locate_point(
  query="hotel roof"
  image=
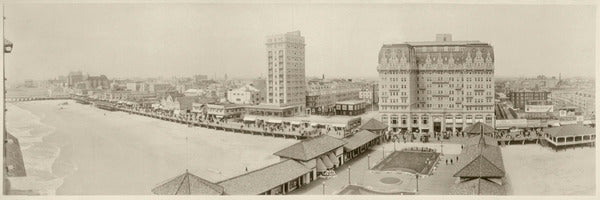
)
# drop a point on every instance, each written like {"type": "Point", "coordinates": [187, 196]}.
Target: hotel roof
{"type": "Point", "coordinates": [264, 179]}
{"type": "Point", "coordinates": [570, 130]}
{"type": "Point", "coordinates": [310, 148]}
{"type": "Point", "coordinates": [478, 140]}
{"type": "Point", "coordinates": [358, 139]}
{"type": "Point", "coordinates": [478, 186]}
{"type": "Point", "coordinates": [188, 184]}
{"type": "Point", "coordinates": [437, 43]}
{"type": "Point", "coordinates": [373, 124]}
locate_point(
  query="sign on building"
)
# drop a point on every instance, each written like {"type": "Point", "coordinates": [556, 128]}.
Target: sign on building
{"type": "Point", "coordinates": [539, 108]}
{"type": "Point", "coordinates": [507, 123]}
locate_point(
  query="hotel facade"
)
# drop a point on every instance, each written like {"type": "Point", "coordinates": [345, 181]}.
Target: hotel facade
{"type": "Point", "coordinates": [286, 85]}
{"type": "Point", "coordinates": [440, 85]}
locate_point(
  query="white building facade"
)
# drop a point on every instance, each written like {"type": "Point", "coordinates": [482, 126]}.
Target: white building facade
{"type": "Point", "coordinates": [436, 86]}
{"type": "Point", "coordinates": [286, 73]}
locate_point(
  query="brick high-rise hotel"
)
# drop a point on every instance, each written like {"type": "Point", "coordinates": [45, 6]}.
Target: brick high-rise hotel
{"type": "Point", "coordinates": [440, 85]}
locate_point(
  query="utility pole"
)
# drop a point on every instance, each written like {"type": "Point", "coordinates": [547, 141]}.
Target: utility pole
{"type": "Point", "coordinates": [349, 183]}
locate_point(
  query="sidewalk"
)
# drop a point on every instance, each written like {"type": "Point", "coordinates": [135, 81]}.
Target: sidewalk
{"type": "Point", "coordinates": [438, 183]}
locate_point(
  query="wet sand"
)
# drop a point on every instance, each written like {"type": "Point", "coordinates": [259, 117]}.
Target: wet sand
{"type": "Point", "coordinates": [114, 153]}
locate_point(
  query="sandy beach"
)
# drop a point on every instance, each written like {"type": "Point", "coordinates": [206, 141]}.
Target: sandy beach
{"type": "Point", "coordinates": [82, 150]}
{"type": "Point", "coordinates": [536, 170]}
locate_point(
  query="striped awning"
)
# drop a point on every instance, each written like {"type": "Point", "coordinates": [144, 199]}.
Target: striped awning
{"type": "Point", "coordinates": [334, 159]}
{"type": "Point", "coordinates": [320, 166]}
{"type": "Point", "coordinates": [327, 162]}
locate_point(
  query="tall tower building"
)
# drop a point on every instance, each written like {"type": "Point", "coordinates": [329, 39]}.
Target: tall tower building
{"type": "Point", "coordinates": [286, 76]}
{"type": "Point", "coordinates": [440, 85]}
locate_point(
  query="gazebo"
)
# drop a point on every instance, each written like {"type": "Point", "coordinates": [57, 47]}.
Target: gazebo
{"type": "Point", "coordinates": [188, 184]}
{"type": "Point", "coordinates": [476, 128]}
{"type": "Point", "coordinates": [376, 127]}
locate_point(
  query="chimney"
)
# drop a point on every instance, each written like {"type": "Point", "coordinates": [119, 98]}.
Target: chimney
{"type": "Point", "coordinates": [443, 37]}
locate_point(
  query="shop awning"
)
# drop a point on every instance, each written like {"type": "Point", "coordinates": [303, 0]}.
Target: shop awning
{"type": "Point", "coordinates": [320, 166]}
{"type": "Point", "coordinates": [295, 122]}
{"type": "Point", "coordinates": [274, 121]}
{"type": "Point", "coordinates": [339, 125]}
{"type": "Point", "coordinates": [334, 159]}
{"type": "Point", "coordinates": [327, 162]}
{"type": "Point", "coordinates": [248, 118]}
{"type": "Point", "coordinates": [314, 124]}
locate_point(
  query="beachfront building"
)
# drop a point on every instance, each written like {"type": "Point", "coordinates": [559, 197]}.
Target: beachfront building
{"type": "Point", "coordinates": [137, 86]}
{"type": "Point", "coordinates": [521, 98]}
{"type": "Point", "coordinates": [376, 127]}
{"type": "Point", "coordinates": [223, 111]}
{"type": "Point", "coordinates": [585, 99]}
{"type": "Point", "coordinates": [322, 95]}
{"type": "Point", "coordinates": [480, 168]}
{"type": "Point", "coordinates": [441, 85]}
{"type": "Point", "coordinates": [570, 135]}
{"type": "Point", "coordinates": [350, 107]}
{"type": "Point", "coordinates": [358, 143]}
{"type": "Point", "coordinates": [276, 179]}
{"type": "Point", "coordinates": [286, 74]}
{"type": "Point", "coordinates": [98, 82]}
{"type": "Point", "coordinates": [319, 154]}
{"type": "Point", "coordinates": [244, 95]}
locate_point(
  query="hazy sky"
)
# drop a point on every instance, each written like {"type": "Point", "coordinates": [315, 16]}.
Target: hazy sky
{"type": "Point", "coordinates": [143, 40]}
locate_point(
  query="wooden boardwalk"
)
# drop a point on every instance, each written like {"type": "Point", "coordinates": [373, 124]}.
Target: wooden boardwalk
{"type": "Point", "coordinates": [235, 128]}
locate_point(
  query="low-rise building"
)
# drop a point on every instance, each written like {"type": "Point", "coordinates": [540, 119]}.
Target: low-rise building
{"type": "Point", "coordinates": [223, 111]}
{"type": "Point", "coordinates": [318, 154]}
{"type": "Point", "coordinates": [350, 107]}
{"type": "Point", "coordinates": [244, 95]}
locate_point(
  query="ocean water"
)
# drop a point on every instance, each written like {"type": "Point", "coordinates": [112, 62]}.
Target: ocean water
{"type": "Point", "coordinates": [39, 156]}
{"type": "Point", "coordinates": [81, 150]}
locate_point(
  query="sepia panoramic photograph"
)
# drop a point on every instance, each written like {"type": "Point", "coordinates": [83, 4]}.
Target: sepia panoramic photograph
{"type": "Point", "coordinates": [373, 98]}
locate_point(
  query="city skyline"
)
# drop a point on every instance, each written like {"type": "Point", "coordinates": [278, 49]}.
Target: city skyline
{"type": "Point", "coordinates": [142, 39]}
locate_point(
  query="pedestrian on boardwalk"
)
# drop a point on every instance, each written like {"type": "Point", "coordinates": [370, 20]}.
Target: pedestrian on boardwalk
{"type": "Point", "coordinates": [446, 161]}
{"type": "Point", "coordinates": [451, 161]}
{"type": "Point", "coordinates": [456, 158]}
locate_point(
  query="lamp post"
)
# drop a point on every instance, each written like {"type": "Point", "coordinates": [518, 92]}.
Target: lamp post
{"type": "Point", "coordinates": [368, 161]}
{"type": "Point", "coordinates": [349, 183]}
{"type": "Point", "coordinates": [383, 151]}
{"type": "Point", "coordinates": [417, 177]}
{"type": "Point", "coordinates": [323, 187]}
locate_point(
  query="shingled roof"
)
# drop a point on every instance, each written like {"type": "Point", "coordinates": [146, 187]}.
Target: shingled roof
{"type": "Point", "coordinates": [358, 139]}
{"type": "Point", "coordinates": [478, 186]}
{"type": "Point", "coordinates": [310, 148]}
{"type": "Point", "coordinates": [477, 140]}
{"type": "Point", "coordinates": [476, 128]}
{"type": "Point", "coordinates": [188, 184]}
{"type": "Point", "coordinates": [480, 160]}
{"type": "Point", "coordinates": [264, 179]}
{"type": "Point", "coordinates": [373, 125]}
{"type": "Point", "coordinates": [570, 130]}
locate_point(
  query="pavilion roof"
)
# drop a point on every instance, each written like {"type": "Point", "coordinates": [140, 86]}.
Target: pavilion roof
{"type": "Point", "coordinates": [570, 130]}
{"type": "Point", "coordinates": [373, 124]}
{"type": "Point", "coordinates": [264, 179]}
{"type": "Point", "coordinates": [310, 148]}
{"type": "Point", "coordinates": [481, 160]}
{"type": "Point", "coordinates": [476, 128]}
{"type": "Point", "coordinates": [188, 184]}
{"type": "Point", "coordinates": [358, 139]}
{"type": "Point", "coordinates": [478, 186]}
